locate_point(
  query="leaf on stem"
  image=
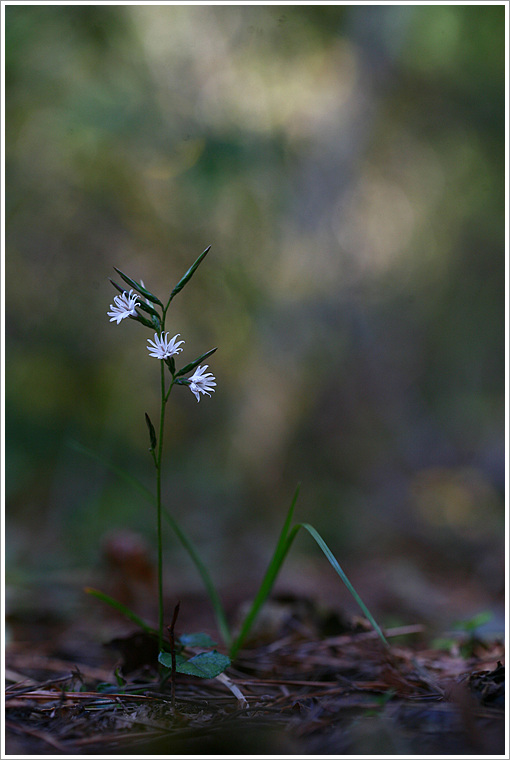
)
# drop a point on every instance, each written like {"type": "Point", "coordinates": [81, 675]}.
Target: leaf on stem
{"type": "Point", "coordinates": [116, 285]}
{"type": "Point", "coordinates": [148, 309]}
{"type": "Point", "coordinates": [142, 320]}
{"type": "Point", "coordinates": [189, 274]}
{"type": "Point", "coordinates": [192, 365]}
{"type": "Point", "coordinates": [140, 288]}
{"type": "Point", "coordinates": [152, 432]}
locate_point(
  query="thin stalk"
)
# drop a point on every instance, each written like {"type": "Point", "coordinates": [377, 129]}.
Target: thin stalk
{"type": "Point", "coordinates": [171, 634]}
{"type": "Point", "coordinates": [158, 505]}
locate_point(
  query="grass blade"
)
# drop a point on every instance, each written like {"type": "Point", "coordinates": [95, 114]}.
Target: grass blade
{"type": "Point", "coordinates": [285, 541]}
{"type": "Point", "coordinates": [336, 567]}
{"type": "Point", "coordinates": [282, 547]}
{"type": "Point", "coordinates": [121, 608]}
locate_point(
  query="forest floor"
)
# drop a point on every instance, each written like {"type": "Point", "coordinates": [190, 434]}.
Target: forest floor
{"type": "Point", "coordinates": [309, 690]}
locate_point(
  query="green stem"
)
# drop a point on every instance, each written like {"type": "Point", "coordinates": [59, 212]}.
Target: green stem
{"type": "Point", "coordinates": [158, 505]}
{"type": "Point", "coordinates": [157, 462]}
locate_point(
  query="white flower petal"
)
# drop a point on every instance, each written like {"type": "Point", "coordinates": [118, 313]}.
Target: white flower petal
{"type": "Point", "coordinates": [124, 306]}
{"type": "Point", "coordinates": [201, 383]}
{"type": "Point", "coordinates": [162, 347]}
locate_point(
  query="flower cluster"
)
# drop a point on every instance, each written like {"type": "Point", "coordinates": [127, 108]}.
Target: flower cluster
{"type": "Point", "coordinates": [162, 347]}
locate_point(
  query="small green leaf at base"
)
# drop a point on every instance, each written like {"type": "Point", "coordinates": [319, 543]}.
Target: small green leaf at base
{"type": "Point", "coordinates": [204, 665]}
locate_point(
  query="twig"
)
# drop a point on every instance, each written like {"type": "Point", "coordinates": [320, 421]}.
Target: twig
{"type": "Point", "coordinates": [28, 689]}
{"type": "Point", "coordinates": [171, 635]}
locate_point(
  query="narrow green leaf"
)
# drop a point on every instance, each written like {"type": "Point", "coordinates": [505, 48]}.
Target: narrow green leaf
{"type": "Point", "coordinates": [196, 640]}
{"type": "Point", "coordinates": [137, 286]}
{"type": "Point", "coordinates": [282, 547]}
{"type": "Point", "coordinates": [141, 319]}
{"type": "Point", "coordinates": [285, 541]}
{"type": "Point", "coordinates": [336, 567]}
{"type": "Point", "coordinates": [119, 287]}
{"type": "Point", "coordinates": [121, 608]}
{"type": "Point", "coordinates": [145, 307]}
{"type": "Point", "coordinates": [152, 432]}
{"type": "Point", "coordinates": [204, 665]}
{"type": "Point", "coordinates": [195, 363]}
{"type": "Point", "coordinates": [189, 274]}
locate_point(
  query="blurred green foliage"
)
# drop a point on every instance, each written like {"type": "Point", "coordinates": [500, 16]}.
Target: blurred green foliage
{"type": "Point", "coordinates": [346, 163]}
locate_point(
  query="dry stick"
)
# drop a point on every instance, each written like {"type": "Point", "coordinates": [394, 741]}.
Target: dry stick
{"type": "Point", "coordinates": [12, 694]}
{"type": "Point", "coordinates": [170, 629]}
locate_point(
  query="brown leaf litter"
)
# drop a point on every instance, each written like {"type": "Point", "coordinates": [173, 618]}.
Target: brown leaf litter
{"type": "Point", "coordinates": [343, 694]}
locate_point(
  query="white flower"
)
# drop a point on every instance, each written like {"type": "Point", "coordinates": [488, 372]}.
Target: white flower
{"type": "Point", "coordinates": [125, 306]}
{"type": "Point", "coordinates": [200, 383]}
{"type": "Point", "coordinates": [162, 348]}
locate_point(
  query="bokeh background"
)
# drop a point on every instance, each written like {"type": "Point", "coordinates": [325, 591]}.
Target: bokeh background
{"type": "Point", "coordinates": [346, 163]}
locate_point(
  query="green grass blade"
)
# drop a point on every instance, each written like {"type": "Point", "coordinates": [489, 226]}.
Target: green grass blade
{"type": "Point", "coordinates": [336, 567]}
{"type": "Point", "coordinates": [285, 541]}
{"type": "Point", "coordinates": [121, 608]}
{"type": "Point", "coordinates": [282, 547]}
